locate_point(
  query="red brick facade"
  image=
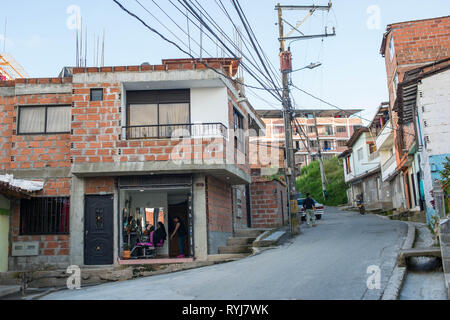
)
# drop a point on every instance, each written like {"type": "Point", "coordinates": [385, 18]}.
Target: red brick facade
{"type": "Point", "coordinates": [219, 205]}
{"type": "Point", "coordinates": [268, 202]}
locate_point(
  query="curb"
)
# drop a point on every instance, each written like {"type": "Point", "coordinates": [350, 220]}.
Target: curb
{"type": "Point", "coordinates": [397, 278]}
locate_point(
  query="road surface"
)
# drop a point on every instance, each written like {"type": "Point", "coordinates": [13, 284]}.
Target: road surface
{"type": "Point", "coordinates": [327, 262]}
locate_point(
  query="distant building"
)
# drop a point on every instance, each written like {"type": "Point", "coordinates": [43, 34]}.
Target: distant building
{"type": "Point", "coordinates": [335, 128]}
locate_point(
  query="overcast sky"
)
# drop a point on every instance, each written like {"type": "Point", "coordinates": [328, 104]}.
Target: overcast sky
{"type": "Point", "coordinates": [41, 37]}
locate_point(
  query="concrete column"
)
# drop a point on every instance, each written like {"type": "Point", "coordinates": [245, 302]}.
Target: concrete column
{"type": "Point", "coordinates": [77, 221]}
{"type": "Point", "coordinates": [200, 219]}
{"type": "Point", "coordinates": [4, 232]}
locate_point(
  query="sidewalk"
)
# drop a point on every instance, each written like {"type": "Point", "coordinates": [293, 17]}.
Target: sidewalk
{"type": "Point", "coordinates": [8, 290]}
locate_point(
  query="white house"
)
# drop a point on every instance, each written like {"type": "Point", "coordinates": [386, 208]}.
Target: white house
{"type": "Point", "coordinates": [363, 171]}
{"type": "Point", "coordinates": [432, 105]}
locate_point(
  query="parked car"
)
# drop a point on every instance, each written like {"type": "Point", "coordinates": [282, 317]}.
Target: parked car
{"type": "Point", "coordinates": [319, 209]}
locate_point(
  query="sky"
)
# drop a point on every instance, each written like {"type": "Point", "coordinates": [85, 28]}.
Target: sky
{"type": "Point", "coordinates": [40, 35]}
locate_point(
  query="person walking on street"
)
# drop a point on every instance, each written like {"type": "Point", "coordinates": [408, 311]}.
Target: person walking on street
{"type": "Point", "coordinates": [310, 209]}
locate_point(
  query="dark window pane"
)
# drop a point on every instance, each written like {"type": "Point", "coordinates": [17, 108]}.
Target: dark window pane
{"type": "Point", "coordinates": [44, 216]}
{"type": "Point", "coordinates": [96, 94]}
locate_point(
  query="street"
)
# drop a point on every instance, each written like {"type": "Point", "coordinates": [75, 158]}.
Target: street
{"type": "Point", "coordinates": [327, 262]}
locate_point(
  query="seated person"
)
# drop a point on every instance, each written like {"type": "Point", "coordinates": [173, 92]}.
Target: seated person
{"type": "Point", "coordinates": [149, 229]}
{"type": "Point", "coordinates": [159, 235]}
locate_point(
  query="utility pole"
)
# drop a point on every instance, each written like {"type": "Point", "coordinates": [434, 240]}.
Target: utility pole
{"type": "Point", "coordinates": [322, 169]}
{"type": "Point", "coordinates": [286, 67]}
{"type": "Point", "coordinates": [288, 112]}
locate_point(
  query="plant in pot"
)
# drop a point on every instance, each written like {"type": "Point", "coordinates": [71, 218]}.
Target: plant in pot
{"type": "Point", "coordinates": [126, 253]}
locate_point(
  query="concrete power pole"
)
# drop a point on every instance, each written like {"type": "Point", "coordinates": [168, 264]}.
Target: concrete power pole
{"type": "Point", "coordinates": [286, 67]}
{"type": "Point", "coordinates": [288, 112]}
{"type": "Point", "coordinates": [322, 169]}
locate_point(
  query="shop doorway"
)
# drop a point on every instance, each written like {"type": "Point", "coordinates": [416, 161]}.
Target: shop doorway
{"type": "Point", "coordinates": [179, 210]}
{"type": "Point", "coordinates": [142, 209]}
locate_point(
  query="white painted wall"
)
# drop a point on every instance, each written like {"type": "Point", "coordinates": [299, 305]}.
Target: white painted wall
{"type": "Point", "coordinates": [435, 102]}
{"type": "Point", "coordinates": [364, 165]}
{"type": "Point", "coordinates": [433, 106]}
{"type": "Point", "coordinates": [209, 105]}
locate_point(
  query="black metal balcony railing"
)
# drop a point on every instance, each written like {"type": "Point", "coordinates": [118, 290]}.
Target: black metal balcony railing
{"type": "Point", "coordinates": [164, 131]}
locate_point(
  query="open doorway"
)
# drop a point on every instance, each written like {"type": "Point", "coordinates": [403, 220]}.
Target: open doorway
{"type": "Point", "coordinates": [178, 207]}
{"type": "Point", "coordinates": [143, 209]}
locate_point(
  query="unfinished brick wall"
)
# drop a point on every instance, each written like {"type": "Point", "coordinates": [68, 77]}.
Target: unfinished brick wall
{"type": "Point", "coordinates": [99, 185]}
{"type": "Point", "coordinates": [219, 213]}
{"type": "Point", "coordinates": [7, 104]}
{"type": "Point", "coordinates": [268, 203]}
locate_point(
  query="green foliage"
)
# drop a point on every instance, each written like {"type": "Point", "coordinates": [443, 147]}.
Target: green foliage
{"type": "Point", "coordinates": [445, 175]}
{"type": "Point", "coordinates": [309, 181]}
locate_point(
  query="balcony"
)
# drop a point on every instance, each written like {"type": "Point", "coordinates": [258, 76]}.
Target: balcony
{"type": "Point", "coordinates": [385, 138]}
{"type": "Point", "coordinates": [166, 131]}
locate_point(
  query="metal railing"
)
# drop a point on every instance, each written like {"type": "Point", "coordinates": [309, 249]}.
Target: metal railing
{"type": "Point", "coordinates": [186, 130]}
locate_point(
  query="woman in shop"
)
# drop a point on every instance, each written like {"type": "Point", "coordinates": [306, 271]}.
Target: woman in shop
{"type": "Point", "coordinates": [160, 234]}
{"type": "Point", "coordinates": [179, 230]}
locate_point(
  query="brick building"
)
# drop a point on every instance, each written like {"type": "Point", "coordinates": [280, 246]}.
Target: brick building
{"type": "Point", "coordinates": [335, 127]}
{"type": "Point", "coordinates": [138, 144]}
{"type": "Point", "coordinates": [406, 46]}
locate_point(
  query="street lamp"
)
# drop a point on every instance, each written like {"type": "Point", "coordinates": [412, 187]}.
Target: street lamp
{"type": "Point", "coordinates": [312, 65]}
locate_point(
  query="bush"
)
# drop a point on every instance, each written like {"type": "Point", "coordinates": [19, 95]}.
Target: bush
{"type": "Point", "coordinates": [310, 181]}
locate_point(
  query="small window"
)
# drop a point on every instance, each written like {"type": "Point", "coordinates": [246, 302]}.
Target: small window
{"type": "Point", "coordinates": [341, 129]}
{"type": "Point", "coordinates": [44, 120]}
{"type": "Point", "coordinates": [97, 94]}
{"type": "Point", "coordinates": [342, 143]}
{"type": "Point", "coordinates": [391, 48]}
{"type": "Point", "coordinates": [47, 215]}
{"type": "Point", "coordinates": [360, 154]}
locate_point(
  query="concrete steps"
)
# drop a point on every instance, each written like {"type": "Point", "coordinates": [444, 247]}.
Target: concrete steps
{"type": "Point", "coordinates": [241, 242]}
{"type": "Point", "coordinates": [236, 249]}
{"type": "Point", "coordinates": [248, 233]}
{"type": "Point", "coordinates": [236, 241]}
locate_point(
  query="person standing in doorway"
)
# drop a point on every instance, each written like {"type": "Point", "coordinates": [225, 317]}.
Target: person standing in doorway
{"type": "Point", "coordinates": [179, 230]}
{"type": "Point", "coordinates": [310, 209]}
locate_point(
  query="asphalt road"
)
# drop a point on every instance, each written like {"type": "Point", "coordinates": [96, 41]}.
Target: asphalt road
{"type": "Point", "coordinates": [327, 262]}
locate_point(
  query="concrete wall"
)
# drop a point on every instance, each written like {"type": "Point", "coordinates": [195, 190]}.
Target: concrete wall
{"type": "Point", "coordinates": [4, 233]}
{"type": "Point", "coordinates": [209, 105]}
{"type": "Point", "coordinates": [200, 217]}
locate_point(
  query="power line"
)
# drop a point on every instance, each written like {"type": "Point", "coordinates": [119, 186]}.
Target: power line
{"type": "Point", "coordinates": [184, 51]}
{"type": "Point", "coordinates": [201, 20]}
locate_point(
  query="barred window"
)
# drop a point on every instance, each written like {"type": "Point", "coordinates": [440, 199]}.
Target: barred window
{"type": "Point", "coordinates": [46, 215]}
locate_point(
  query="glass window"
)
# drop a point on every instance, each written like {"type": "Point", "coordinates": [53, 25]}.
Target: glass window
{"type": "Point", "coordinates": [341, 129]}
{"type": "Point", "coordinates": [58, 119]}
{"type": "Point", "coordinates": [46, 119]}
{"type": "Point", "coordinates": [32, 120]}
{"type": "Point", "coordinates": [97, 94]}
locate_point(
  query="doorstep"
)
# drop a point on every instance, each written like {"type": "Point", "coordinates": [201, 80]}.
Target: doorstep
{"type": "Point", "coordinates": [155, 261]}
{"type": "Point", "coordinates": [9, 290]}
